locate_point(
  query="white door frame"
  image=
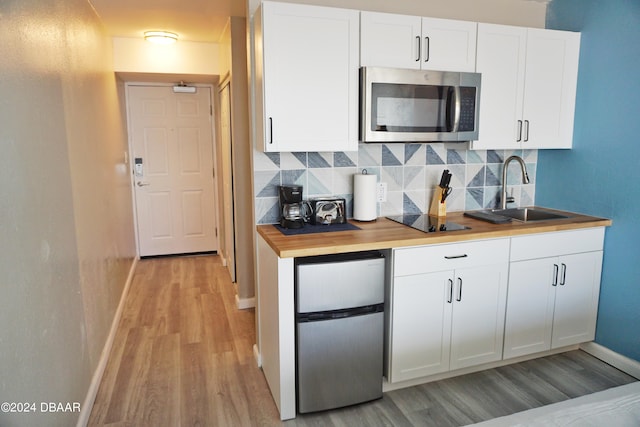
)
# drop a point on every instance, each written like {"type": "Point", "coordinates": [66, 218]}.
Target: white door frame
{"type": "Point", "coordinates": [130, 156]}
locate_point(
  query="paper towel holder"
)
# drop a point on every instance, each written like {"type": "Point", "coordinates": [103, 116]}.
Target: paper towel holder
{"type": "Point", "coordinates": [364, 197]}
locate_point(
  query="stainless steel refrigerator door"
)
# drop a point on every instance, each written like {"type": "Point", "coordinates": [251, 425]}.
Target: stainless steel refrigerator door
{"type": "Point", "coordinates": [339, 362]}
{"type": "Point", "coordinates": [338, 285]}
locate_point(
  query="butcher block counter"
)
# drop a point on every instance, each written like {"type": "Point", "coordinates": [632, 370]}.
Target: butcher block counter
{"type": "Point", "coordinates": [384, 234]}
{"type": "Point", "coordinates": [276, 253]}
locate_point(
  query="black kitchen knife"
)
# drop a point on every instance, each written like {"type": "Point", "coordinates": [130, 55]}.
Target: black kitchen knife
{"type": "Point", "coordinates": [443, 178]}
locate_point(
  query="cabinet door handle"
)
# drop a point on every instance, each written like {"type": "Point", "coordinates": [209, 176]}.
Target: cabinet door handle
{"type": "Point", "coordinates": [555, 275]}
{"type": "Point", "coordinates": [450, 298]}
{"type": "Point", "coordinates": [270, 130]}
{"type": "Point", "coordinates": [459, 297]}
{"type": "Point", "coordinates": [526, 130]}
{"type": "Point", "coordinates": [419, 49]}
{"type": "Point", "coordinates": [519, 131]}
{"type": "Point", "coordinates": [455, 256]}
{"type": "Point", "coordinates": [427, 49]}
{"type": "Point", "coordinates": [564, 274]}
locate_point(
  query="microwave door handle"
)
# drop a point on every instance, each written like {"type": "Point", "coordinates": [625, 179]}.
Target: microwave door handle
{"type": "Point", "coordinates": [455, 93]}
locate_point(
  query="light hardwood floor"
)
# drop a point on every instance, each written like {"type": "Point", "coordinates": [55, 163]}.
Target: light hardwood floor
{"type": "Point", "coordinates": [182, 356]}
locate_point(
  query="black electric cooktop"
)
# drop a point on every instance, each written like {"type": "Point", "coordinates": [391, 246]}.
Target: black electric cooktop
{"type": "Point", "coordinates": [426, 223]}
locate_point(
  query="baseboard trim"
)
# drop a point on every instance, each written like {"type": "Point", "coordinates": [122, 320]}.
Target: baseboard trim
{"type": "Point", "coordinates": [90, 398]}
{"type": "Point", "coordinates": [244, 303]}
{"type": "Point", "coordinates": [617, 360]}
{"type": "Point", "coordinates": [256, 355]}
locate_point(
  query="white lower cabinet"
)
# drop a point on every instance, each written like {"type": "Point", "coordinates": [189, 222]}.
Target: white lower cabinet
{"type": "Point", "coordinates": [447, 307]}
{"type": "Point", "coordinates": [554, 285]}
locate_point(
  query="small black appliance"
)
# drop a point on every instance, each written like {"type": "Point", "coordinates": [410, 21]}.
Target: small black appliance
{"type": "Point", "coordinates": [292, 208]}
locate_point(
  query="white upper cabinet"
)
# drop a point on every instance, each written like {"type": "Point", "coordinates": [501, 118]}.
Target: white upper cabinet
{"type": "Point", "coordinates": [529, 79]}
{"type": "Point", "coordinates": [307, 77]}
{"type": "Point", "coordinates": [401, 41]}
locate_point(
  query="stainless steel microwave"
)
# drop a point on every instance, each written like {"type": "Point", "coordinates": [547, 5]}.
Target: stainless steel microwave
{"type": "Point", "coordinates": [398, 105]}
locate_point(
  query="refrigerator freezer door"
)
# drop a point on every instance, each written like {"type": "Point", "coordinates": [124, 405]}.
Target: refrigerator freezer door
{"type": "Point", "coordinates": [339, 362]}
{"type": "Point", "coordinates": [341, 284]}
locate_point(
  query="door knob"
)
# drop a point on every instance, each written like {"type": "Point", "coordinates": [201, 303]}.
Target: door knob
{"type": "Point", "coordinates": [142, 183]}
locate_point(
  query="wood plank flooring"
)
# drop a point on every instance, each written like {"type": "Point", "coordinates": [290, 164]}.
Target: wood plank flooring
{"type": "Point", "coordinates": [183, 356]}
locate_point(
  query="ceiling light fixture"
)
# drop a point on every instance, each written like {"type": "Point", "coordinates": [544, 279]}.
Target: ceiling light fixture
{"type": "Point", "coordinates": [160, 37]}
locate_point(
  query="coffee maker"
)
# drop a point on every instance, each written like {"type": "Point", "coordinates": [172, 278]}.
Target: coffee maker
{"type": "Point", "coordinates": [292, 208]}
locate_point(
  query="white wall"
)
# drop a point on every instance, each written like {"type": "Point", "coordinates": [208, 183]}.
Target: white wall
{"type": "Point", "coordinates": [66, 230]}
{"type": "Point", "coordinates": [135, 55]}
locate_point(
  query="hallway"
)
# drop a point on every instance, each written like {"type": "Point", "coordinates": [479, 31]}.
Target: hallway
{"type": "Point", "coordinates": [183, 353]}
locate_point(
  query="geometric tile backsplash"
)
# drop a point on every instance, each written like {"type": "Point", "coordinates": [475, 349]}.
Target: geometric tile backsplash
{"type": "Point", "coordinates": [411, 172]}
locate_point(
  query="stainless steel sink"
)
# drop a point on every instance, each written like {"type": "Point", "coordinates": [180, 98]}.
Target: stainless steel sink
{"type": "Point", "coordinates": [528, 214]}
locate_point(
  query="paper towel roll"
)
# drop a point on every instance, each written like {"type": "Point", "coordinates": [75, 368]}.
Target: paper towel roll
{"type": "Point", "coordinates": [364, 197]}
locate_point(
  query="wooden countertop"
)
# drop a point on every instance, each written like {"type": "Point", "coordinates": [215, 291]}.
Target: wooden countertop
{"type": "Point", "coordinates": [384, 233]}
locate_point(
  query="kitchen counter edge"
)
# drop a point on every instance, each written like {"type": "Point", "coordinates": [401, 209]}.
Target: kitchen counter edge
{"type": "Point", "coordinates": [386, 234]}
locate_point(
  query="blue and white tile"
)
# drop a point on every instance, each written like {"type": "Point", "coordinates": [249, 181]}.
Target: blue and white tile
{"type": "Point", "coordinates": [433, 173]}
{"type": "Point", "coordinates": [292, 161]}
{"type": "Point", "coordinates": [266, 161]}
{"type": "Point", "coordinates": [393, 176]}
{"type": "Point", "coordinates": [436, 154]}
{"type": "Point", "coordinates": [495, 156]}
{"type": "Point", "coordinates": [413, 202]}
{"type": "Point", "coordinates": [267, 210]}
{"type": "Point", "coordinates": [493, 175]}
{"type": "Point", "coordinates": [345, 159]}
{"type": "Point", "coordinates": [474, 199]}
{"type": "Point", "coordinates": [527, 196]}
{"type": "Point", "coordinates": [456, 200]}
{"type": "Point", "coordinates": [476, 174]}
{"type": "Point", "coordinates": [415, 154]}
{"type": "Point", "coordinates": [414, 177]}
{"type": "Point", "coordinates": [266, 183]}
{"type": "Point", "coordinates": [369, 155]}
{"type": "Point", "coordinates": [320, 160]}
{"type": "Point", "coordinates": [492, 197]}
{"type": "Point", "coordinates": [456, 156]}
{"type": "Point", "coordinates": [476, 156]}
{"type": "Point", "coordinates": [392, 154]}
{"type": "Point", "coordinates": [343, 180]}
{"type": "Point", "coordinates": [297, 177]}
{"type": "Point", "coordinates": [458, 176]}
{"type": "Point", "coordinates": [530, 156]}
{"type": "Point", "coordinates": [393, 205]}
{"type": "Point", "coordinates": [319, 182]}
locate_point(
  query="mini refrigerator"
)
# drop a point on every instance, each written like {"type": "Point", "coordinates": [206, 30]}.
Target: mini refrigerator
{"type": "Point", "coordinates": [339, 329]}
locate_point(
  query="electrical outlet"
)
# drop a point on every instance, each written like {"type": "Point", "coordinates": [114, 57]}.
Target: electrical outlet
{"type": "Point", "coordinates": [381, 194]}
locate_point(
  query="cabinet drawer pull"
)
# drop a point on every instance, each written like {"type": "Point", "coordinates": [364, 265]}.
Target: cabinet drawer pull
{"type": "Point", "coordinates": [427, 48]}
{"type": "Point", "coordinates": [455, 256]}
{"type": "Point", "coordinates": [564, 274]}
{"type": "Point", "coordinates": [526, 131]}
{"type": "Point", "coordinates": [450, 298]}
{"type": "Point", "coordinates": [459, 298]}
{"type": "Point", "coordinates": [555, 275]}
{"type": "Point", "coordinates": [519, 131]}
{"type": "Point", "coordinates": [419, 48]}
{"type": "Point", "coordinates": [270, 130]}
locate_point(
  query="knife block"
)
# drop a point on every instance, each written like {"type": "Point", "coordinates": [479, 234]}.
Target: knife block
{"type": "Point", "coordinates": [438, 207]}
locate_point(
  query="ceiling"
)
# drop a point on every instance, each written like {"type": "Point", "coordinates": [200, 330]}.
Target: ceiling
{"type": "Point", "coordinates": [192, 20]}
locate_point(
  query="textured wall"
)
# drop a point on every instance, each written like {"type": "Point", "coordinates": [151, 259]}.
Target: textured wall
{"type": "Point", "coordinates": [599, 176]}
{"type": "Point", "coordinates": [65, 204]}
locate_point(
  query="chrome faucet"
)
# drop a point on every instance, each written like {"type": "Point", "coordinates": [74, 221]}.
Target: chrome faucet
{"type": "Point", "coordinates": [525, 178]}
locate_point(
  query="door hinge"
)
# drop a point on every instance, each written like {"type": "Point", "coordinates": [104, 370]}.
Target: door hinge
{"type": "Point", "coordinates": [210, 109]}
{"type": "Point", "coordinates": [216, 231]}
{"type": "Point", "coordinates": [213, 172]}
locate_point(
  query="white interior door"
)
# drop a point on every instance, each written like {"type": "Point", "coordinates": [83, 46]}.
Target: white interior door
{"type": "Point", "coordinates": [227, 181]}
{"type": "Point", "coordinates": [172, 147]}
